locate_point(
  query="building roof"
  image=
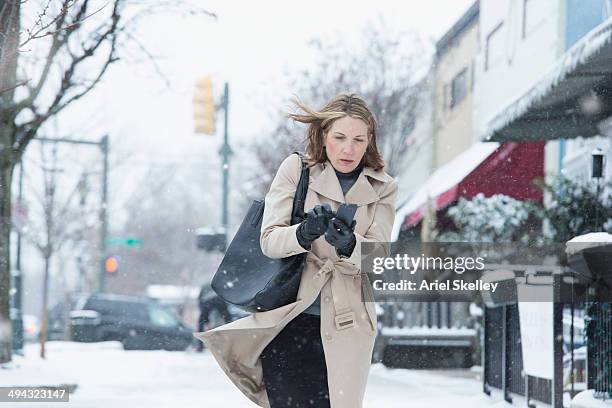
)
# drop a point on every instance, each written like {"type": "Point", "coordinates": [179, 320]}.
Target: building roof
{"type": "Point", "coordinates": [550, 109]}
{"type": "Point", "coordinates": [464, 22]}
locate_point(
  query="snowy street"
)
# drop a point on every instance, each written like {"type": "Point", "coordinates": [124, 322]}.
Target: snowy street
{"type": "Point", "coordinates": [108, 376]}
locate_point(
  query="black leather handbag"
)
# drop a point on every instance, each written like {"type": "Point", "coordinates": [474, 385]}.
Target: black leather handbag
{"type": "Point", "coordinates": [249, 279]}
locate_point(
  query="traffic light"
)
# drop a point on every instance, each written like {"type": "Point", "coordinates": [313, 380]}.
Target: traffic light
{"type": "Point", "coordinates": [210, 239]}
{"type": "Point", "coordinates": [204, 106]}
{"type": "Point", "coordinates": [111, 265]}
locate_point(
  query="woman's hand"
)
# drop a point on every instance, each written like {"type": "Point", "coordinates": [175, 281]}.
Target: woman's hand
{"type": "Point", "coordinates": [341, 237]}
{"type": "Point", "coordinates": [315, 225]}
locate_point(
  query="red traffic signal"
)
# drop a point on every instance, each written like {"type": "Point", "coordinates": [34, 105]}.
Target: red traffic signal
{"type": "Point", "coordinates": [111, 264]}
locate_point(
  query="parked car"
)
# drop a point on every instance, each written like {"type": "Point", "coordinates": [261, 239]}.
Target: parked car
{"type": "Point", "coordinates": [214, 311]}
{"type": "Point", "coordinates": [136, 322]}
{"type": "Point", "coordinates": [56, 323]}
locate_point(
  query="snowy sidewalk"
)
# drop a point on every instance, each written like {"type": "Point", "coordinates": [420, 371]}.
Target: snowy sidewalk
{"type": "Point", "coordinates": [107, 375]}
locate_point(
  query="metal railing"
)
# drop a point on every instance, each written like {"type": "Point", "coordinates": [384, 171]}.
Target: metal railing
{"type": "Point", "coordinates": [599, 349]}
{"type": "Point", "coordinates": [503, 354]}
{"type": "Point", "coordinates": [503, 358]}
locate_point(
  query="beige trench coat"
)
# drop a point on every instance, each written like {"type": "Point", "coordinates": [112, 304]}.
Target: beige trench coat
{"type": "Point", "coordinates": [348, 324]}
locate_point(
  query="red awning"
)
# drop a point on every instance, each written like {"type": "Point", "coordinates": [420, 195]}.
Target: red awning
{"type": "Point", "coordinates": [488, 168]}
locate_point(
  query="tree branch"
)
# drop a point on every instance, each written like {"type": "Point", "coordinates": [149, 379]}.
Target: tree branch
{"type": "Point", "coordinates": [58, 103]}
{"type": "Point", "coordinates": [61, 35]}
{"type": "Point", "coordinates": [35, 33]}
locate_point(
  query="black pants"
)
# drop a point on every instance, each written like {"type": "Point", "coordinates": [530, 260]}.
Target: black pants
{"type": "Point", "coordinates": [294, 370]}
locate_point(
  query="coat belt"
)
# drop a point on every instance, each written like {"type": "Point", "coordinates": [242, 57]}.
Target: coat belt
{"type": "Point", "coordinates": [344, 316]}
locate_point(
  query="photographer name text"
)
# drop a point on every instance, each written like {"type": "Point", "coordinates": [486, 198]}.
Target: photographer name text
{"type": "Point", "coordinates": [457, 284]}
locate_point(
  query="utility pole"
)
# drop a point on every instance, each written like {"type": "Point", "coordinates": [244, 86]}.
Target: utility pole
{"type": "Point", "coordinates": [225, 153]}
{"type": "Point", "coordinates": [104, 146]}
{"type": "Point", "coordinates": [205, 121]}
{"type": "Point", "coordinates": [18, 278]}
{"type": "Point", "coordinates": [103, 213]}
{"type": "Point", "coordinates": [597, 172]}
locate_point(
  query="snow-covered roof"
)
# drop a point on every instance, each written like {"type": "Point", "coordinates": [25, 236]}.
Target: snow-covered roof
{"type": "Point", "coordinates": [593, 237]}
{"type": "Point", "coordinates": [576, 56]}
{"type": "Point", "coordinates": [590, 240]}
{"type": "Point", "coordinates": [443, 179]}
{"type": "Point", "coordinates": [172, 292]}
{"type": "Point", "coordinates": [427, 331]}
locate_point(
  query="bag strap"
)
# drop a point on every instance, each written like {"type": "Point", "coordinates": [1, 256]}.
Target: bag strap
{"type": "Point", "coordinates": [297, 213]}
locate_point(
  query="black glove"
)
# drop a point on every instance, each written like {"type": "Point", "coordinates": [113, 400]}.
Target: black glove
{"type": "Point", "coordinates": [315, 225]}
{"type": "Point", "coordinates": [341, 236]}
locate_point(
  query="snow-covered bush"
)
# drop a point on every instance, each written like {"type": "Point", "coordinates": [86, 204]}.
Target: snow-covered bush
{"type": "Point", "coordinates": [573, 209]}
{"type": "Point", "coordinates": [498, 218]}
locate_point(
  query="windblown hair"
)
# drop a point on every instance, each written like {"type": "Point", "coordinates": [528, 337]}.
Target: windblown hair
{"type": "Point", "coordinates": [320, 121]}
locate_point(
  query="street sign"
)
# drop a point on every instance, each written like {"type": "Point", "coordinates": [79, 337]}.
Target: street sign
{"type": "Point", "coordinates": [125, 241]}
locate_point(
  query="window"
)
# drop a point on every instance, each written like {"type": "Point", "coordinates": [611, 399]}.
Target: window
{"type": "Point", "coordinates": [534, 12]}
{"type": "Point", "coordinates": [161, 317]}
{"type": "Point", "coordinates": [472, 69]}
{"type": "Point", "coordinates": [129, 311]}
{"type": "Point", "coordinates": [495, 47]}
{"type": "Point", "coordinates": [101, 306]}
{"type": "Point", "coordinates": [459, 88]}
{"type": "Point", "coordinates": [445, 97]}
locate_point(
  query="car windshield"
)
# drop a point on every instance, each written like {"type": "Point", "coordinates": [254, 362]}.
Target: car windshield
{"type": "Point", "coordinates": [161, 317]}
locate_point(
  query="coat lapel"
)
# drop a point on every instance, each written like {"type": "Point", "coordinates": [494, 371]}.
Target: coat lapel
{"type": "Point", "coordinates": [327, 184]}
{"type": "Point", "coordinates": [361, 193]}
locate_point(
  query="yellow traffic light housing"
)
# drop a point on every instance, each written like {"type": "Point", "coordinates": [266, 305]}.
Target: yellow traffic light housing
{"type": "Point", "coordinates": [204, 106]}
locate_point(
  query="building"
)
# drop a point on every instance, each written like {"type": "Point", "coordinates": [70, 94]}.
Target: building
{"type": "Point", "coordinates": [453, 74]}
{"type": "Point", "coordinates": [416, 164]}
{"type": "Point", "coordinates": [463, 165]}
{"type": "Point", "coordinates": [545, 73]}
{"type": "Point", "coordinates": [437, 332]}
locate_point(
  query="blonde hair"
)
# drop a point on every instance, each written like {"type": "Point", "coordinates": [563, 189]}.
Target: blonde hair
{"type": "Point", "coordinates": [320, 121]}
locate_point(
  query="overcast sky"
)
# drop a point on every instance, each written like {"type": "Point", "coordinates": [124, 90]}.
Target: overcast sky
{"type": "Point", "coordinates": [249, 45]}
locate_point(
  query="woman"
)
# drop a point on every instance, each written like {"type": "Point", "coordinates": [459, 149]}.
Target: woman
{"type": "Point", "coordinates": [316, 352]}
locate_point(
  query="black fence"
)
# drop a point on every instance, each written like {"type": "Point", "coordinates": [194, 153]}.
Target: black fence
{"type": "Point", "coordinates": [426, 335]}
{"type": "Point", "coordinates": [599, 349]}
{"type": "Point", "coordinates": [503, 359]}
{"type": "Point", "coordinates": [503, 354]}
{"type": "Point", "coordinates": [493, 355]}
{"type": "Point", "coordinates": [515, 373]}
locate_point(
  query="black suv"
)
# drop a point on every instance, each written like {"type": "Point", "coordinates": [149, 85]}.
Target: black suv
{"type": "Point", "coordinates": [138, 323]}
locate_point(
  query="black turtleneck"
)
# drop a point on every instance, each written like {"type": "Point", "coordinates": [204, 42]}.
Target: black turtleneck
{"type": "Point", "coordinates": [348, 179]}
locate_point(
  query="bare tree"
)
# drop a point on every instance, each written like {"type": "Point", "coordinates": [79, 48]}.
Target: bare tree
{"type": "Point", "coordinates": [386, 68]}
{"type": "Point", "coordinates": [63, 219]}
{"type": "Point", "coordinates": [63, 52]}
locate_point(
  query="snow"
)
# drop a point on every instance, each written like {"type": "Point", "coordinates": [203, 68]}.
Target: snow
{"type": "Point", "coordinates": [577, 55]}
{"type": "Point", "coordinates": [497, 218]}
{"type": "Point", "coordinates": [87, 314]}
{"type": "Point", "coordinates": [106, 375]}
{"type": "Point", "coordinates": [475, 310]}
{"type": "Point", "coordinates": [593, 237]}
{"type": "Point", "coordinates": [443, 179]}
{"type": "Point", "coordinates": [585, 399]}
{"type": "Point", "coordinates": [427, 331]}
{"type": "Point", "coordinates": [498, 275]}
{"type": "Point", "coordinates": [172, 292]}
{"type": "Point", "coordinates": [585, 241]}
